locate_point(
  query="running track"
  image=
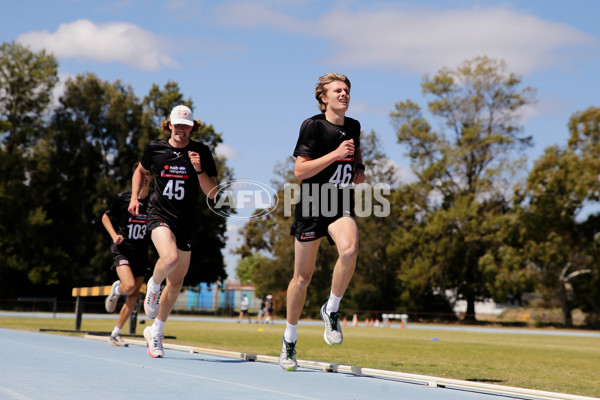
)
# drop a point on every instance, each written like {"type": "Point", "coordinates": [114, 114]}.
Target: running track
{"type": "Point", "coordinates": [46, 366]}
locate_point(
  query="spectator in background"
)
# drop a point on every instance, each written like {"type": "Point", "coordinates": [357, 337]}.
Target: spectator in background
{"type": "Point", "coordinates": [269, 309]}
{"type": "Point", "coordinates": [244, 304]}
{"type": "Point", "coordinates": [262, 311]}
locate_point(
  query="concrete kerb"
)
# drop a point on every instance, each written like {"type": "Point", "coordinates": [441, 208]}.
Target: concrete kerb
{"type": "Point", "coordinates": [375, 373]}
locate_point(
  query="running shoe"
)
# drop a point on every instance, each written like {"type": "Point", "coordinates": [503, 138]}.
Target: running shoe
{"type": "Point", "coordinates": [287, 358]}
{"type": "Point", "coordinates": [155, 347]}
{"type": "Point", "coordinates": [116, 340]}
{"type": "Point", "coordinates": [111, 300]}
{"type": "Point", "coordinates": [333, 331]}
{"type": "Point", "coordinates": [151, 304]}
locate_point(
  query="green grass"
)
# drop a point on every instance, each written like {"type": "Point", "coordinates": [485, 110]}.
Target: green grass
{"type": "Point", "coordinates": [564, 364]}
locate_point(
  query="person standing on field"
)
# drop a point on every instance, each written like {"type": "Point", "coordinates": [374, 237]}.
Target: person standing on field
{"type": "Point", "coordinates": [328, 156]}
{"type": "Point", "coordinates": [129, 252]}
{"type": "Point", "coordinates": [182, 167]}
{"type": "Point", "coordinates": [244, 304]}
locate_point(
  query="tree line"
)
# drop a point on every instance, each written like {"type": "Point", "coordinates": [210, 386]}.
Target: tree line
{"type": "Point", "coordinates": [474, 223]}
{"type": "Point", "coordinates": [62, 163]}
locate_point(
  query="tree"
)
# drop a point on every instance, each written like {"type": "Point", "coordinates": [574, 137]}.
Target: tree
{"type": "Point", "coordinates": [462, 173]}
{"type": "Point", "coordinates": [558, 245]}
{"type": "Point", "coordinates": [84, 158]}
{"type": "Point", "coordinates": [26, 82]}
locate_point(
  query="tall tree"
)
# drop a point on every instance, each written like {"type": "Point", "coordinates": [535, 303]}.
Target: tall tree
{"type": "Point", "coordinates": [84, 159]}
{"type": "Point", "coordinates": [462, 170]}
{"type": "Point", "coordinates": [26, 82]}
{"type": "Point", "coordinates": [559, 244]}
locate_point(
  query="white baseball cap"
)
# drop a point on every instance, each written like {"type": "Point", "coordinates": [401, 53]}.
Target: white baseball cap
{"type": "Point", "coordinates": [182, 115]}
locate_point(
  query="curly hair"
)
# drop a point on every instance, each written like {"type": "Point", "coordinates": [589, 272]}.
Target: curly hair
{"type": "Point", "coordinates": [321, 89]}
{"type": "Point", "coordinates": [164, 126]}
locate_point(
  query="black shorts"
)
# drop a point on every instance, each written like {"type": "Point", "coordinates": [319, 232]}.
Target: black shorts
{"type": "Point", "coordinates": [183, 238]}
{"type": "Point", "coordinates": [138, 263]}
{"type": "Point", "coordinates": [309, 229]}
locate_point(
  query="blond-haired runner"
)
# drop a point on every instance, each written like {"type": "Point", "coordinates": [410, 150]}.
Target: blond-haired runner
{"type": "Point", "coordinates": [328, 156]}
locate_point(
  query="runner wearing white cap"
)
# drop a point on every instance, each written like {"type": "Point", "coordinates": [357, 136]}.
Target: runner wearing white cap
{"type": "Point", "coordinates": [182, 167]}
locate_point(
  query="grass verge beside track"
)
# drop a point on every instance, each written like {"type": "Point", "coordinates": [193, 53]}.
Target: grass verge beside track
{"type": "Point", "coordinates": [564, 364]}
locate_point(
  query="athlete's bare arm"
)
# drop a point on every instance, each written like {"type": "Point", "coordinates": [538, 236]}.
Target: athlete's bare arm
{"type": "Point", "coordinates": [136, 185]}
{"type": "Point", "coordinates": [207, 183]}
{"type": "Point", "coordinates": [307, 167]}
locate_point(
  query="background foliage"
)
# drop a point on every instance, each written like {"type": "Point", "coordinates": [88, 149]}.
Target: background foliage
{"type": "Point", "coordinates": [62, 164]}
{"type": "Point", "coordinates": [472, 224]}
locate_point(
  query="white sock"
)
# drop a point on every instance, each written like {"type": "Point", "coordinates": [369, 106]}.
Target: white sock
{"type": "Point", "coordinates": [153, 287]}
{"type": "Point", "coordinates": [290, 335]}
{"type": "Point", "coordinates": [157, 327]}
{"type": "Point", "coordinates": [116, 331]}
{"type": "Point", "coordinates": [117, 292]}
{"type": "Point", "coordinates": [333, 304]}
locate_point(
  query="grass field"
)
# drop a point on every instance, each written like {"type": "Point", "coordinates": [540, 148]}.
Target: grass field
{"type": "Point", "coordinates": [564, 364]}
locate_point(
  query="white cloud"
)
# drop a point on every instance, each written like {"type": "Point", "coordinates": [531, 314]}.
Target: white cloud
{"type": "Point", "coordinates": [358, 108]}
{"type": "Point", "coordinates": [425, 39]}
{"type": "Point", "coordinates": [228, 152]}
{"type": "Point", "coordinates": [119, 42]}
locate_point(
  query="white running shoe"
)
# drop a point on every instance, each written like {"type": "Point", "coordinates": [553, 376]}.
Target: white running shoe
{"type": "Point", "coordinates": [287, 358]}
{"type": "Point", "coordinates": [155, 347]}
{"type": "Point", "coordinates": [151, 303]}
{"type": "Point", "coordinates": [333, 331]}
{"type": "Point", "coordinates": [116, 340]}
{"type": "Point", "coordinates": [111, 300]}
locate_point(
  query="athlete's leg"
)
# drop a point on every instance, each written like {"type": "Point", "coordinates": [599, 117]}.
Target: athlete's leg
{"type": "Point", "coordinates": [168, 254]}
{"type": "Point", "coordinates": [304, 266]}
{"type": "Point", "coordinates": [344, 232]}
{"type": "Point", "coordinates": [131, 300]}
{"type": "Point", "coordinates": [174, 283]}
{"type": "Point", "coordinates": [127, 279]}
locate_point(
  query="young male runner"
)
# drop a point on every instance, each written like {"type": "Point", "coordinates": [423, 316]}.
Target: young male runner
{"type": "Point", "coordinates": [182, 167]}
{"type": "Point", "coordinates": [129, 252]}
{"type": "Point", "coordinates": [328, 156]}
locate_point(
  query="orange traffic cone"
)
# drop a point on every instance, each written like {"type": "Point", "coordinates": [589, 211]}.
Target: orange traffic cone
{"type": "Point", "coordinates": [354, 320]}
{"type": "Point", "coordinates": [345, 321]}
{"type": "Point", "coordinates": [377, 323]}
{"type": "Point", "coordinates": [367, 322]}
{"type": "Point", "coordinates": [387, 324]}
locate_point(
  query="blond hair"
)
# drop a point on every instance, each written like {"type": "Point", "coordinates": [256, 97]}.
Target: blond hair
{"type": "Point", "coordinates": [164, 126]}
{"type": "Point", "coordinates": [321, 89]}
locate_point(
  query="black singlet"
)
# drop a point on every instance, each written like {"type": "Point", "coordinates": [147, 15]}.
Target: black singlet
{"type": "Point", "coordinates": [319, 137]}
{"type": "Point", "coordinates": [131, 227]}
{"type": "Point", "coordinates": [175, 181]}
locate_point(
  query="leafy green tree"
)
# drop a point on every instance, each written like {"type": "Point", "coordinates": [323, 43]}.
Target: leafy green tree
{"type": "Point", "coordinates": [462, 172]}
{"type": "Point", "coordinates": [82, 161]}
{"type": "Point", "coordinates": [247, 265]}
{"type": "Point", "coordinates": [560, 247]}
{"type": "Point", "coordinates": [26, 82]}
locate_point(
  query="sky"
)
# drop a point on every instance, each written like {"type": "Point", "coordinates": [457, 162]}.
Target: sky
{"type": "Point", "coordinates": [250, 67]}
